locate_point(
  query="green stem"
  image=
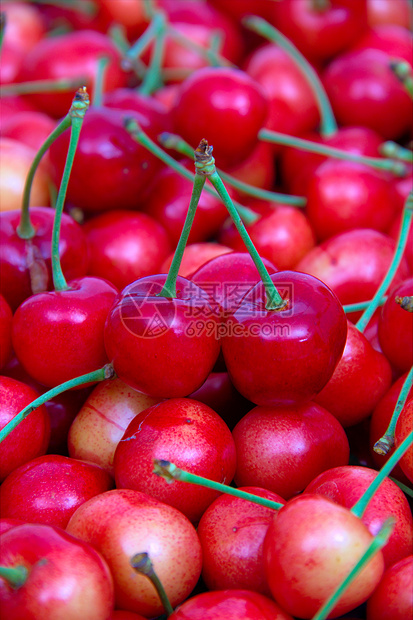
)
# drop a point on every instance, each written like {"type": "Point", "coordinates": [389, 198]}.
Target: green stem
{"type": "Point", "coordinates": [169, 288]}
{"type": "Point", "coordinates": [144, 140]}
{"type": "Point", "coordinates": [398, 255]}
{"type": "Point", "coordinates": [106, 372]}
{"type": "Point", "coordinates": [386, 442]}
{"type": "Point", "coordinates": [41, 86]}
{"type": "Point", "coordinates": [395, 151]}
{"type": "Point", "coordinates": [403, 71]}
{"type": "Point", "coordinates": [142, 563]}
{"type": "Point", "coordinates": [25, 230]}
{"type": "Point", "coordinates": [2, 28]}
{"type": "Point", "coordinates": [88, 7]}
{"type": "Point", "coordinates": [117, 35]}
{"type": "Point", "coordinates": [153, 76]}
{"type": "Point", "coordinates": [374, 547]}
{"type": "Point", "coordinates": [320, 6]}
{"type": "Point", "coordinates": [170, 472]}
{"type": "Point", "coordinates": [210, 55]}
{"type": "Point", "coordinates": [102, 65]}
{"type": "Point", "coordinates": [361, 504]}
{"type": "Point", "coordinates": [132, 56]}
{"type": "Point", "coordinates": [172, 141]}
{"type": "Point", "coordinates": [16, 576]}
{"type": "Point", "coordinates": [207, 167]}
{"type": "Point", "coordinates": [407, 490]}
{"type": "Point", "coordinates": [361, 305]}
{"type": "Point", "coordinates": [328, 125]}
{"type": "Point", "coordinates": [80, 105]}
{"type": "Point", "coordinates": [389, 165]}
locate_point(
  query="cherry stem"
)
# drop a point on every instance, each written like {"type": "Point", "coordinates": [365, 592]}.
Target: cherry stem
{"type": "Point", "coordinates": [132, 56]}
{"type": "Point", "coordinates": [117, 35]}
{"type": "Point", "coordinates": [361, 305]}
{"type": "Point", "coordinates": [106, 372]}
{"type": "Point", "coordinates": [173, 141]}
{"type": "Point", "coordinates": [80, 105]}
{"type": "Point", "coordinates": [395, 151]}
{"type": "Point", "coordinates": [407, 490]}
{"type": "Point", "coordinates": [405, 303]}
{"type": "Point", "coordinates": [407, 217]}
{"type": "Point", "coordinates": [206, 165]}
{"type": "Point", "coordinates": [403, 71]}
{"type": "Point", "coordinates": [41, 86]}
{"type": "Point", "coordinates": [16, 576]}
{"type": "Point", "coordinates": [102, 65]}
{"type": "Point", "coordinates": [170, 472]}
{"type": "Point", "coordinates": [320, 6]}
{"type": "Point", "coordinates": [88, 7]}
{"type": "Point", "coordinates": [153, 77]}
{"type": "Point", "coordinates": [144, 140]}
{"type": "Point", "coordinates": [386, 442]}
{"type": "Point", "coordinates": [25, 229]}
{"type": "Point", "coordinates": [210, 54]}
{"type": "Point", "coordinates": [275, 137]}
{"type": "Point", "coordinates": [2, 28]}
{"type": "Point", "coordinates": [328, 125]}
{"type": "Point", "coordinates": [169, 288]}
{"type": "Point", "coordinates": [142, 563]}
{"type": "Point", "coordinates": [374, 547]}
{"type": "Point", "coordinates": [362, 503]}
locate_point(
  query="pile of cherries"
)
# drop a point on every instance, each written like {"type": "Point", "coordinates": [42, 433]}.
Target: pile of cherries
{"type": "Point", "coordinates": [205, 364]}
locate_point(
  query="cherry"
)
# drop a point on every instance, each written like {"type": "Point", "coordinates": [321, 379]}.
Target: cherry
{"type": "Point", "coordinates": [125, 245]}
{"type": "Point", "coordinates": [383, 12]}
{"type": "Point", "coordinates": [72, 55]}
{"type": "Point", "coordinates": [283, 448]}
{"type": "Point", "coordinates": [392, 39]}
{"type": "Point", "coordinates": [312, 326]}
{"type": "Point", "coordinates": [48, 489]}
{"type": "Point", "coordinates": [392, 599]}
{"type": "Point", "coordinates": [26, 263]}
{"type": "Point", "coordinates": [195, 255]}
{"type": "Point", "coordinates": [110, 169]}
{"type": "Point", "coordinates": [31, 437]}
{"type": "Point", "coordinates": [6, 318]}
{"type": "Point", "coordinates": [25, 25]}
{"type": "Point", "coordinates": [70, 327]}
{"type": "Point", "coordinates": [403, 428]}
{"type": "Point", "coordinates": [360, 379]}
{"type": "Point", "coordinates": [31, 128]}
{"type": "Point", "coordinates": [310, 546]}
{"type": "Point", "coordinates": [224, 105]}
{"type": "Point", "coordinates": [395, 328]}
{"type": "Point", "coordinates": [321, 30]}
{"type": "Point", "coordinates": [150, 338]}
{"type": "Point", "coordinates": [186, 432]}
{"type": "Point", "coordinates": [128, 99]}
{"type": "Point", "coordinates": [345, 485]}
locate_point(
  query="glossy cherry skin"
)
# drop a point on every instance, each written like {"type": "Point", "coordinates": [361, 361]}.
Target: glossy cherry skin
{"type": "Point", "coordinates": [121, 523]}
{"type": "Point", "coordinates": [298, 346]}
{"type": "Point", "coordinates": [31, 437]}
{"type": "Point", "coordinates": [320, 34]}
{"type": "Point", "coordinates": [360, 379]}
{"type": "Point", "coordinates": [32, 128]}
{"type": "Point", "coordinates": [48, 489]}
{"type": "Point", "coordinates": [66, 577]}
{"type": "Point", "coordinates": [283, 448]}
{"type": "Point", "coordinates": [232, 532]}
{"type": "Point", "coordinates": [292, 106]}
{"type": "Point", "coordinates": [125, 245]}
{"type": "Point", "coordinates": [102, 421]}
{"type": "Point", "coordinates": [345, 485]}
{"type": "Point", "coordinates": [69, 337]}
{"type": "Point", "coordinates": [363, 91]}
{"type": "Point", "coordinates": [383, 12]}
{"type": "Point", "coordinates": [72, 55]}
{"type": "Point", "coordinates": [224, 106]}
{"type": "Point", "coordinates": [168, 204]}
{"type": "Point", "coordinates": [110, 170]}
{"type": "Point", "coordinates": [6, 319]}
{"type": "Point", "coordinates": [164, 347]}
{"type": "Point", "coordinates": [345, 195]}
{"type": "Point", "coordinates": [229, 277]}
{"type": "Point", "coordinates": [403, 428]}
{"type": "Point", "coordinates": [26, 265]}
{"type": "Point", "coordinates": [393, 598]}
{"type": "Point", "coordinates": [195, 255]}
{"type": "Point", "coordinates": [229, 605]}
{"type": "Point", "coordinates": [186, 433]}
{"type": "Point", "coordinates": [395, 328]}
{"type": "Point", "coordinates": [310, 546]}
{"type": "Point", "coordinates": [353, 264]}
{"type": "Point", "coordinates": [283, 234]}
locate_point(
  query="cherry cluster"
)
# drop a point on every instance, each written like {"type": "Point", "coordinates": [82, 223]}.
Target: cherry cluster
{"type": "Point", "coordinates": [206, 309]}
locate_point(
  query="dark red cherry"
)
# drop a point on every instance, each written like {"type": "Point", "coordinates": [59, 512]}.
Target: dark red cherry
{"type": "Point", "coordinates": [395, 328]}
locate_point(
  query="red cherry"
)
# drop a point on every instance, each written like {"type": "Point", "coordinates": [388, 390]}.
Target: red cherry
{"type": "Point", "coordinates": [195, 255]}
{"type": "Point", "coordinates": [31, 128]}
{"type": "Point", "coordinates": [69, 340]}
{"type": "Point", "coordinates": [283, 448]}
{"type": "Point", "coordinates": [403, 428]}
{"type": "Point", "coordinates": [395, 328]}
{"type": "Point", "coordinates": [31, 437]}
{"type": "Point", "coordinates": [393, 599]}
{"type": "Point", "coordinates": [395, 40]}
{"type": "Point", "coordinates": [165, 347]}
{"type": "Point", "coordinates": [298, 346]}
{"type": "Point", "coordinates": [383, 12]}
{"type": "Point", "coordinates": [226, 107]}
{"type": "Point", "coordinates": [6, 319]}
